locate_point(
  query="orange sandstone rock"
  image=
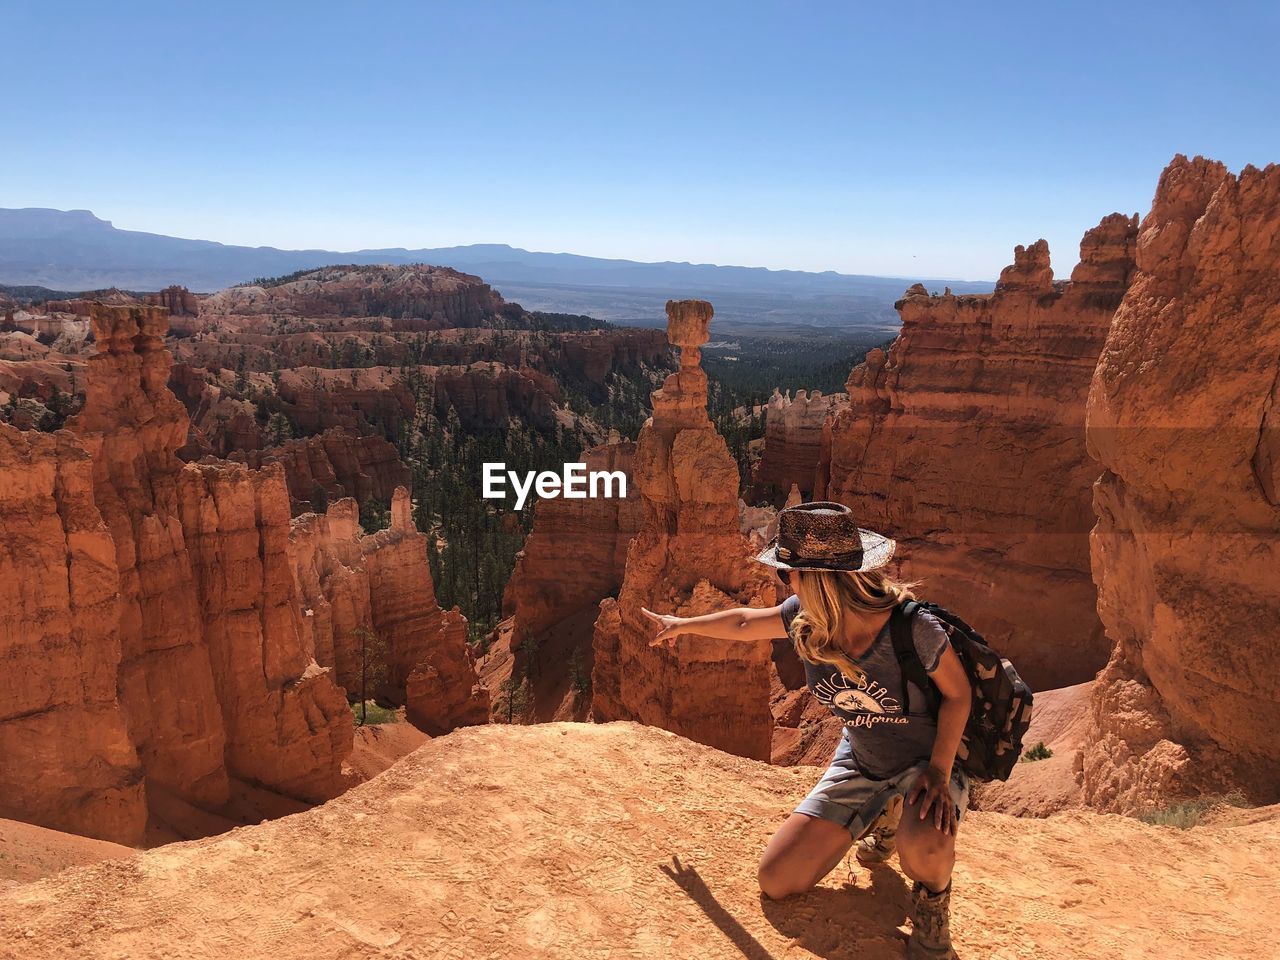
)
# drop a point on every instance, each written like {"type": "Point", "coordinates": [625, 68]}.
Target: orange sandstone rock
{"type": "Point", "coordinates": [688, 557]}
{"type": "Point", "coordinates": [576, 553]}
{"type": "Point", "coordinates": [792, 444]}
{"type": "Point", "coordinates": [336, 464]}
{"type": "Point", "coordinates": [66, 760]}
{"type": "Point", "coordinates": [381, 583]}
{"type": "Point", "coordinates": [287, 723]}
{"type": "Point", "coordinates": [966, 443]}
{"type": "Point", "coordinates": [132, 426]}
{"type": "Point", "coordinates": [1184, 415]}
{"type": "Point", "coordinates": [215, 675]}
{"type": "Point", "coordinates": [179, 301]}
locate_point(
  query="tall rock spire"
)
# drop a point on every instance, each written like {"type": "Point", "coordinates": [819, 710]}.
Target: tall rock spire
{"type": "Point", "coordinates": [688, 558]}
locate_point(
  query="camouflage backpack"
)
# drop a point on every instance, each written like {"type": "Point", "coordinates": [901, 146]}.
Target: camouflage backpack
{"type": "Point", "coordinates": [1001, 712]}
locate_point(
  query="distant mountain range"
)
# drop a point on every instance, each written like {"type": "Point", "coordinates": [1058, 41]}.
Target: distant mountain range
{"type": "Point", "coordinates": [75, 250]}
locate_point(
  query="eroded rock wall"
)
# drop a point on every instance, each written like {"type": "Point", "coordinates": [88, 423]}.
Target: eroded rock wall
{"type": "Point", "coordinates": [288, 726]}
{"type": "Point", "coordinates": [213, 678]}
{"type": "Point", "coordinates": [688, 557]}
{"type": "Point", "coordinates": [335, 464]}
{"type": "Point", "coordinates": [132, 426]}
{"type": "Point", "coordinates": [66, 760]}
{"type": "Point", "coordinates": [792, 444]}
{"type": "Point", "coordinates": [1184, 416]}
{"type": "Point", "coordinates": [576, 553]}
{"type": "Point", "coordinates": [354, 586]}
{"type": "Point", "coordinates": [965, 441]}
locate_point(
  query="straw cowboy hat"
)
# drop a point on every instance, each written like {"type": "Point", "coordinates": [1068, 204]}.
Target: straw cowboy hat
{"type": "Point", "coordinates": [824, 536]}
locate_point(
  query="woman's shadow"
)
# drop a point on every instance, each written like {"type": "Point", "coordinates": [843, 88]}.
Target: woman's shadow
{"type": "Point", "coordinates": [855, 920]}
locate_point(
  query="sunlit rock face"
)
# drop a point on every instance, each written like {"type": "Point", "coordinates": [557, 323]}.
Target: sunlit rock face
{"type": "Point", "coordinates": [355, 587]}
{"type": "Point", "coordinates": [66, 760]}
{"type": "Point", "coordinates": [965, 442]}
{"type": "Point", "coordinates": [576, 553]}
{"type": "Point", "coordinates": [688, 557]}
{"type": "Point", "coordinates": [132, 426]}
{"type": "Point", "coordinates": [1184, 416]}
{"type": "Point", "coordinates": [156, 640]}
{"type": "Point", "coordinates": [792, 444]}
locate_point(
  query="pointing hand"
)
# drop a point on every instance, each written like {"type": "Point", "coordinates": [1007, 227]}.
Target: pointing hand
{"type": "Point", "coordinates": [670, 628]}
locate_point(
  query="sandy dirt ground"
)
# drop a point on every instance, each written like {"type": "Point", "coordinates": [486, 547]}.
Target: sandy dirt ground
{"type": "Point", "coordinates": [379, 745]}
{"type": "Point", "coordinates": [28, 852]}
{"type": "Point", "coordinates": [1039, 788]}
{"type": "Point", "coordinates": [621, 841]}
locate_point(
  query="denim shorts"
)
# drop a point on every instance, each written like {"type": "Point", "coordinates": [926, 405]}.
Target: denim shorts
{"type": "Point", "coordinates": [847, 797]}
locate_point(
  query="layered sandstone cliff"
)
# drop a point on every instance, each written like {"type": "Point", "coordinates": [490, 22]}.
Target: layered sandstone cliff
{"type": "Point", "coordinates": [688, 557]}
{"type": "Point", "coordinates": [132, 426]}
{"type": "Point", "coordinates": [576, 553]}
{"type": "Point", "coordinates": [287, 724]}
{"type": "Point", "coordinates": [212, 677]}
{"type": "Point", "coordinates": [429, 297]}
{"type": "Point", "coordinates": [66, 759]}
{"type": "Point", "coordinates": [179, 301]}
{"type": "Point", "coordinates": [966, 443]}
{"type": "Point", "coordinates": [484, 395]}
{"type": "Point", "coordinates": [336, 464]}
{"type": "Point", "coordinates": [357, 587]}
{"type": "Point", "coordinates": [172, 657]}
{"type": "Point", "coordinates": [1184, 415]}
{"type": "Point", "coordinates": [792, 444]}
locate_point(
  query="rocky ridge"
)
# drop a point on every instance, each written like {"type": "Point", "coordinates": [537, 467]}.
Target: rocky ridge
{"type": "Point", "coordinates": [965, 441]}
{"type": "Point", "coordinates": [160, 653]}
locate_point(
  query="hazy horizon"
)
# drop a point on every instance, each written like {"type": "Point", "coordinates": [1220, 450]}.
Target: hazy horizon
{"type": "Point", "coordinates": [823, 137]}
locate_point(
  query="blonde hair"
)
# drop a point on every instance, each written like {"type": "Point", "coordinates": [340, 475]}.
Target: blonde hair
{"type": "Point", "coordinates": [825, 598]}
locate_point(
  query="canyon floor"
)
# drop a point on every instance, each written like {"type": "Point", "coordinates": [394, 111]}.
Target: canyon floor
{"type": "Point", "coordinates": [617, 840]}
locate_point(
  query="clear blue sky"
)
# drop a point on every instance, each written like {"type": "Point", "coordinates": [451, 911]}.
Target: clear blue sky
{"type": "Point", "coordinates": [910, 138]}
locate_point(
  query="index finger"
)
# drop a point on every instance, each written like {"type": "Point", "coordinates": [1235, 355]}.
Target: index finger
{"type": "Point", "coordinates": [651, 615]}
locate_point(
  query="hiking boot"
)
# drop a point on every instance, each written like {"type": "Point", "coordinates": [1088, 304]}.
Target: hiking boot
{"type": "Point", "coordinates": [930, 924]}
{"type": "Point", "coordinates": [879, 843]}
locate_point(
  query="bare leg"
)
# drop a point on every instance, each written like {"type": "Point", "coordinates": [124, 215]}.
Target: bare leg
{"type": "Point", "coordinates": [925, 852]}
{"type": "Point", "coordinates": [803, 851]}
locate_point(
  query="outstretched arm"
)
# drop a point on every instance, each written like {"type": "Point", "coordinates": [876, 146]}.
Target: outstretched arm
{"type": "Point", "coordinates": [747, 624]}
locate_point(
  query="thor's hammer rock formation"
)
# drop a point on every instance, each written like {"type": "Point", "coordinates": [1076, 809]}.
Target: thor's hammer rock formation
{"type": "Point", "coordinates": [687, 558]}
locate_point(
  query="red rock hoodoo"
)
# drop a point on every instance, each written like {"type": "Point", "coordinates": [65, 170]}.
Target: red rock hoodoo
{"type": "Point", "coordinates": [132, 426]}
{"type": "Point", "coordinates": [1184, 415]}
{"type": "Point", "coordinates": [173, 621]}
{"type": "Point", "coordinates": [966, 443]}
{"type": "Point", "coordinates": [66, 760]}
{"type": "Point", "coordinates": [288, 726]}
{"type": "Point", "coordinates": [381, 583]}
{"type": "Point", "coordinates": [689, 558]}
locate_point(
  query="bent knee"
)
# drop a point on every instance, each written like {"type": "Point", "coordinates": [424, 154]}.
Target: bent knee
{"type": "Point", "coordinates": [925, 849]}
{"type": "Point", "coordinates": [777, 882]}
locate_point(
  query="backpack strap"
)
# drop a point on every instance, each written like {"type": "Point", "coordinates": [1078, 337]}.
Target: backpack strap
{"type": "Point", "coordinates": [904, 648]}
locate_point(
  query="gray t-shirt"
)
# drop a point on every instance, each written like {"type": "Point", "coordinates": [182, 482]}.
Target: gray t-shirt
{"type": "Point", "coordinates": [885, 736]}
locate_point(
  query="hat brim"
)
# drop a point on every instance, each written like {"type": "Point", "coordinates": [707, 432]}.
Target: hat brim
{"type": "Point", "coordinates": [877, 551]}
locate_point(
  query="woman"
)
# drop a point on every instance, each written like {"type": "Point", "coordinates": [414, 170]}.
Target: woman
{"type": "Point", "coordinates": [891, 753]}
